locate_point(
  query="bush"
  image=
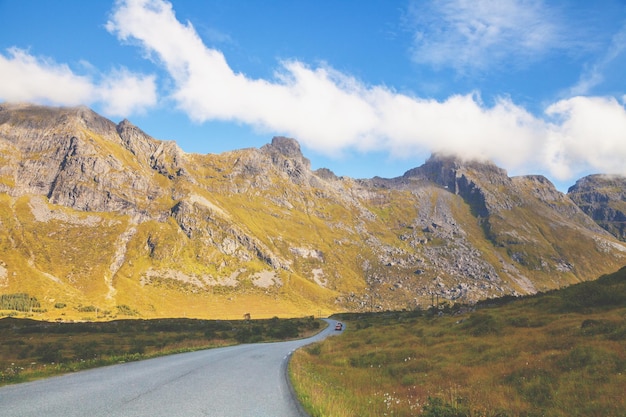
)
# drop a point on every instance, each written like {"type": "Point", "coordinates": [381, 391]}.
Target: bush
{"type": "Point", "coordinates": [435, 407]}
{"type": "Point", "coordinates": [592, 327]}
{"type": "Point", "coordinates": [527, 322]}
{"type": "Point", "coordinates": [483, 323]}
{"type": "Point", "coordinates": [19, 302]}
{"type": "Point", "coordinates": [49, 352]}
{"type": "Point", "coordinates": [595, 361]}
{"type": "Point", "coordinates": [315, 349]}
{"type": "Point", "coordinates": [86, 350]}
{"type": "Point", "coordinates": [535, 385]}
{"type": "Point", "coordinates": [138, 346]}
{"type": "Point", "coordinates": [284, 329]}
{"type": "Point", "coordinates": [250, 334]}
{"type": "Point", "coordinates": [125, 310]}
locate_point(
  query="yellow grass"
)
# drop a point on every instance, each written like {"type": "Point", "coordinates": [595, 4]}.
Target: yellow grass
{"type": "Point", "coordinates": [560, 355]}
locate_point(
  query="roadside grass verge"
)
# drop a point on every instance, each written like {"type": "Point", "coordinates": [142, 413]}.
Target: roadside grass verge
{"type": "Point", "coordinates": [33, 349]}
{"type": "Point", "coordinates": [556, 354]}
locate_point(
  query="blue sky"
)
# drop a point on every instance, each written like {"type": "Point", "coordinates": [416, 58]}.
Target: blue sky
{"type": "Point", "coordinates": [367, 87]}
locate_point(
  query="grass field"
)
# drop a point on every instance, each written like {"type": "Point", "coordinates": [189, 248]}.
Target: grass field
{"type": "Point", "coordinates": [33, 349]}
{"type": "Point", "coordinates": [561, 353]}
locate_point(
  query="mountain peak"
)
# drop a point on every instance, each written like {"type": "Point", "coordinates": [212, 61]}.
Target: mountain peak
{"type": "Point", "coordinates": [445, 169]}
{"type": "Point", "coordinates": [283, 148]}
{"type": "Point", "coordinates": [288, 147]}
{"type": "Point", "coordinates": [125, 124]}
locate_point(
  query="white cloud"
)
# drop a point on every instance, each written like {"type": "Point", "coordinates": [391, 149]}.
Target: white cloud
{"type": "Point", "coordinates": [26, 78]}
{"type": "Point", "coordinates": [123, 93]}
{"type": "Point", "coordinates": [478, 34]}
{"type": "Point", "coordinates": [590, 135]}
{"type": "Point", "coordinates": [331, 112]}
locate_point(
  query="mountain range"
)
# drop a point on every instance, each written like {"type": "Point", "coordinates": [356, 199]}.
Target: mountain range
{"type": "Point", "coordinates": [99, 219]}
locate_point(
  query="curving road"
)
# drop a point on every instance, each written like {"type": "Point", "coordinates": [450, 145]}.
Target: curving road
{"type": "Point", "coordinates": [238, 381]}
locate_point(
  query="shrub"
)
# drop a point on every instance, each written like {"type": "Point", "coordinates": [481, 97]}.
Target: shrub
{"type": "Point", "coordinates": [138, 346]}
{"type": "Point", "coordinates": [284, 329]}
{"type": "Point", "coordinates": [19, 302]}
{"type": "Point", "coordinates": [534, 384]}
{"type": "Point", "coordinates": [315, 349]}
{"type": "Point", "coordinates": [251, 334]}
{"type": "Point", "coordinates": [125, 310]}
{"type": "Point", "coordinates": [591, 327]}
{"type": "Point", "coordinates": [593, 360]}
{"type": "Point", "coordinates": [49, 352]}
{"type": "Point", "coordinates": [527, 322]}
{"type": "Point", "coordinates": [483, 323]}
{"type": "Point", "coordinates": [435, 407]}
{"type": "Point", "coordinates": [87, 350]}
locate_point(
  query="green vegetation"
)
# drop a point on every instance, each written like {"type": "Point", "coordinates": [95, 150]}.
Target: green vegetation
{"type": "Point", "coordinates": [19, 302]}
{"type": "Point", "coordinates": [125, 310]}
{"type": "Point", "coordinates": [33, 349]}
{"type": "Point", "coordinates": [557, 354]}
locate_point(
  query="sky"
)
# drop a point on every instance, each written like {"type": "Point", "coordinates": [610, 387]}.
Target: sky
{"type": "Point", "coordinates": [368, 88]}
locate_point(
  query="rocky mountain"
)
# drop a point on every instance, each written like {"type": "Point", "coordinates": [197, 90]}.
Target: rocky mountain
{"type": "Point", "coordinates": [603, 198]}
{"type": "Point", "coordinates": [100, 218]}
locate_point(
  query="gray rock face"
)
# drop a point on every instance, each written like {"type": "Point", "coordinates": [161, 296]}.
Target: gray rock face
{"type": "Point", "coordinates": [603, 198]}
{"type": "Point", "coordinates": [286, 155]}
{"type": "Point", "coordinates": [68, 156]}
{"type": "Point", "coordinates": [287, 147]}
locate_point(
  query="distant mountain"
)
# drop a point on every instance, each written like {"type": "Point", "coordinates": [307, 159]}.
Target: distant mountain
{"type": "Point", "coordinates": [603, 198]}
{"type": "Point", "coordinates": [101, 219]}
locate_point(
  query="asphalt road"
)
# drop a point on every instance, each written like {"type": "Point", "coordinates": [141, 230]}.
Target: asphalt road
{"type": "Point", "coordinates": [238, 381]}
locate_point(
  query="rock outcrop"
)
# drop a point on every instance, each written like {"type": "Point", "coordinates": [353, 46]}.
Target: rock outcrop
{"type": "Point", "coordinates": [603, 198]}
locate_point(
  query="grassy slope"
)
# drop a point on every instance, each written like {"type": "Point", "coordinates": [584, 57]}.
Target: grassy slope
{"type": "Point", "coordinates": [557, 354]}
